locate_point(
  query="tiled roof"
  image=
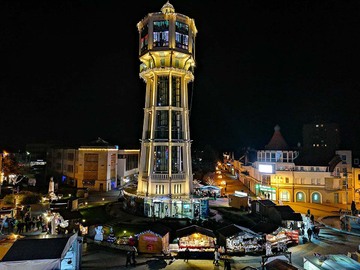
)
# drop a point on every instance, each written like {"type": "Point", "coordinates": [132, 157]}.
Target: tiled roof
{"type": "Point", "coordinates": [277, 141]}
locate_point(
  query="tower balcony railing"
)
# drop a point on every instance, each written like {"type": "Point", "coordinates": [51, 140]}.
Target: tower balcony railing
{"type": "Point", "coordinates": [165, 176]}
{"type": "Point", "coordinates": [164, 135]}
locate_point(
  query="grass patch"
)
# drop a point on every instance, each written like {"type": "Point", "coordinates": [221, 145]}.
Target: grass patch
{"type": "Point", "coordinates": [96, 214]}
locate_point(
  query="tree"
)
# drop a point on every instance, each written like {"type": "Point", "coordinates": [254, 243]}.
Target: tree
{"type": "Point", "coordinates": [10, 165]}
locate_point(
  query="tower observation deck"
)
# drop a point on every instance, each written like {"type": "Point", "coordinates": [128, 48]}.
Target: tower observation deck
{"type": "Point", "coordinates": [167, 56]}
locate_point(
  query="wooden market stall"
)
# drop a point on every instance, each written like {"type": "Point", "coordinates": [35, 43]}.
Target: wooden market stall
{"type": "Point", "coordinates": [196, 238]}
{"type": "Point", "coordinates": [239, 239]}
{"type": "Point", "coordinates": [154, 240]}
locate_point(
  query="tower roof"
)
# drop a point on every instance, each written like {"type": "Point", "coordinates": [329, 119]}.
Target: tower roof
{"type": "Point", "coordinates": [168, 8]}
{"type": "Point", "coordinates": [277, 141]}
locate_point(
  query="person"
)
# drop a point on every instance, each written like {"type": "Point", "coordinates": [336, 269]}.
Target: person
{"type": "Point", "coordinates": [216, 257]}
{"type": "Point", "coordinates": [309, 233]}
{"type": "Point", "coordinates": [316, 232]}
{"type": "Point", "coordinates": [353, 208]}
{"type": "Point", "coordinates": [128, 258]}
{"type": "Point", "coordinates": [133, 254]}
{"type": "Point", "coordinates": [227, 264]}
{"type": "Point", "coordinates": [186, 255]}
{"type": "Point", "coordinates": [312, 218]}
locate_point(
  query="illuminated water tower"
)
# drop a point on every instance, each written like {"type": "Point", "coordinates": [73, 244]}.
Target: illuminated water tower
{"type": "Point", "coordinates": [167, 55]}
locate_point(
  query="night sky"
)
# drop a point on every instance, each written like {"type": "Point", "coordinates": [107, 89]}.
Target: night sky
{"type": "Point", "coordinates": [70, 70]}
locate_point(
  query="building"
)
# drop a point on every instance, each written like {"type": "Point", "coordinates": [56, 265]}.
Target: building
{"type": "Point", "coordinates": [127, 166]}
{"type": "Point", "coordinates": [320, 141]}
{"type": "Point", "coordinates": [92, 166]}
{"type": "Point", "coordinates": [167, 56]}
{"type": "Point", "coordinates": [284, 174]}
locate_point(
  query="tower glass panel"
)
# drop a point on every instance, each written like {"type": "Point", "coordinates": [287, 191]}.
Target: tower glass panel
{"type": "Point", "coordinates": [163, 91]}
{"type": "Point", "coordinates": [182, 35]}
{"type": "Point", "coordinates": [161, 33]}
{"type": "Point", "coordinates": [162, 125]}
{"type": "Point", "coordinates": [176, 91]}
{"type": "Point", "coordinates": [161, 157]}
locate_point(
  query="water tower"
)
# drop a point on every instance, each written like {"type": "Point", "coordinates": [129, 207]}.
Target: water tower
{"type": "Point", "coordinates": [167, 55]}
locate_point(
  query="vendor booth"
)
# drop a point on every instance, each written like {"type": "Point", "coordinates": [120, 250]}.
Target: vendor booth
{"type": "Point", "coordinates": [196, 238]}
{"type": "Point", "coordinates": [239, 239]}
{"type": "Point", "coordinates": [155, 240]}
{"type": "Point", "coordinates": [239, 200]}
{"type": "Point", "coordinates": [52, 252]}
{"type": "Point", "coordinates": [283, 235]}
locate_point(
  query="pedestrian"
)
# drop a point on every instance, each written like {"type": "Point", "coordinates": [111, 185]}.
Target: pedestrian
{"type": "Point", "coordinates": [227, 264]}
{"type": "Point", "coordinates": [133, 254]}
{"type": "Point", "coordinates": [309, 233]}
{"type": "Point", "coordinates": [216, 257]}
{"type": "Point", "coordinates": [128, 258]}
{"type": "Point", "coordinates": [308, 213]}
{"type": "Point", "coordinates": [186, 255]}
{"type": "Point", "coordinates": [312, 218]}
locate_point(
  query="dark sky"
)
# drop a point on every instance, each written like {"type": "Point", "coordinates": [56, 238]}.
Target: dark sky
{"type": "Point", "coordinates": [70, 70]}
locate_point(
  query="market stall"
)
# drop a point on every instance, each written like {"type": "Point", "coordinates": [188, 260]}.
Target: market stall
{"type": "Point", "coordinates": [154, 241]}
{"type": "Point", "coordinates": [283, 235]}
{"type": "Point", "coordinates": [196, 238]}
{"type": "Point", "coordinates": [239, 239]}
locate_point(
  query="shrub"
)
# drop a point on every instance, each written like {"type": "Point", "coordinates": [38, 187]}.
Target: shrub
{"type": "Point", "coordinates": [31, 198]}
{"type": "Point", "coordinates": [9, 199]}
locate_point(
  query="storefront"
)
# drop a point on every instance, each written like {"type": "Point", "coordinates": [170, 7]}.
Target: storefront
{"type": "Point", "coordinates": [266, 192]}
{"type": "Point", "coordinates": [162, 207]}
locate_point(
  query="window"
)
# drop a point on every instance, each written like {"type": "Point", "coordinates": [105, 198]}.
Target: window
{"type": "Point", "coordinates": [144, 38]}
{"type": "Point", "coordinates": [176, 159]}
{"type": "Point", "coordinates": [161, 156]}
{"type": "Point", "coordinates": [313, 181]}
{"type": "Point", "coordinates": [177, 189]}
{"type": "Point", "coordinates": [161, 34]}
{"type": "Point", "coordinates": [318, 181]}
{"type": "Point", "coordinates": [176, 125]}
{"type": "Point", "coordinates": [159, 189]}
{"type": "Point", "coordinates": [162, 125]}
{"type": "Point", "coordinates": [176, 91]}
{"type": "Point", "coordinates": [287, 180]}
{"type": "Point", "coordinates": [181, 35]}
{"type": "Point", "coordinates": [163, 91]}
{"type": "Point", "coordinates": [70, 168]}
{"type": "Point", "coordinates": [284, 196]}
{"type": "Point", "coordinates": [70, 156]}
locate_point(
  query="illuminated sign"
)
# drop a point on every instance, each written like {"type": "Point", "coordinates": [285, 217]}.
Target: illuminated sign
{"type": "Point", "coordinates": [266, 168]}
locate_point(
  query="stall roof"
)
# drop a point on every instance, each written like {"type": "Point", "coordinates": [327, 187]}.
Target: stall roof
{"type": "Point", "coordinates": [264, 202]}
{"type": "Point", "coordinates": [234, 229]}
{"type": "Point", "coordinates": [159, 229]}
{"type": "Point", "coordinates": [284, 208]}
{"type": "Point", "coordinates": [291, 216]}
{"type": "Point", "coordinates": [333, 261]}
{"type": "Point", "coordinates": [279, 264]}
{"type": "Point", "coordinates": [263, 227]}
{"type": "Point", "coordinates": [210, 187]}
{"type": "Point", "coordinates": [194, 229]}
{"type": "Point", "coordinates": [36, 248]}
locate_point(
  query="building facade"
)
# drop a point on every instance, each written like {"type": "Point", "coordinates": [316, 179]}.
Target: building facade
{"type": "Point", "coordinates": [92, 166]}
{"type": "Point", "coordinates": [280, 174]}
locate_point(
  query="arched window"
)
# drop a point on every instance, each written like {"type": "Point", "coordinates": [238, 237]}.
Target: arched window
{"type": "Point", "coordinates": [300, 197]}
{"type": "Point", "coordinates": [285, 196]}
{"type": "Point", "coordinates": [316, 197]}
